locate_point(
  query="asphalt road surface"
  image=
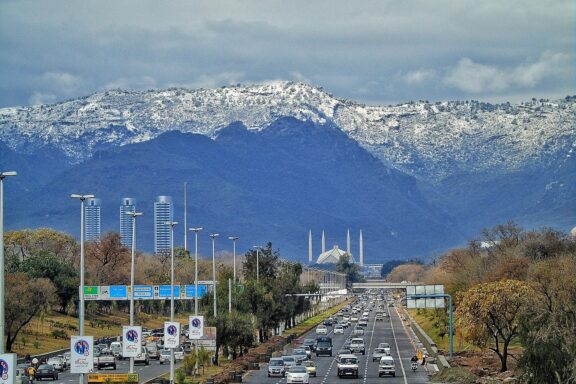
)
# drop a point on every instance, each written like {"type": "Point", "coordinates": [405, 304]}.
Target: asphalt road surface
{"type": "Point", "coordinates": [391, 331]}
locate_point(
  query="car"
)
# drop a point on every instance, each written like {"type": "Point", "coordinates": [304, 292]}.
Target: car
{"type": "Point", "coordinates": [276, 367]}
{"type": "Point", "coordinates": [153, 351]}
{"type": "Point", "coordinates": [178, 353]}
{"type": "Point", "coordinates": [289, 362]}
{"type": "Point", "coordinates": [46, 371]}
{"type": "Point", "coordinates": [116, 348]}
{"type": "Point", "coordinates": [346, 318]}
{"type": "Point", "coordinates": [164, 356]}
{"type": "Point", "coordinates": [347, 366]}
{"type": "Point", "coordinates": [386, 347]}
{"type": "Point", "coordinates": [308, 351]}
{"type": "Point", "coordinates": [363, 322]}
{"type": "Point", "coordinates": [354, 319]}
{"type": "Point", "coordinates": [327, 322]}
{"type": "Point", "coordinates": [386, 366]}
{"type": "Point", "coordinates": [358, 331]}
{"type": "Point", "coordinates": [379, 316]}
{"type": "Point", "coordinates": [311, 343]}
{"type": "Point", "coordinates": [57, 363]}
{"type": "Point", "coordinates": [357, 345]}
{"type": "Point", "coordinates": [321, 330]}
{"type": "Point", "coordinates": [378, 353]}
{"type": "Point", "coordinates": [67, 358]}
{"type": "Point", "coordinates": [297, 374]}
{"type": "Point", "coordinates": [338, 329]}
{"type": "Point", "coordinates": [310, 367]}
{"type": "Point", "coordinates": [300, 355]}
{"type": "Point", "coordinates": [103, 347]}
{"type": "Point", "coordinates": [142, 357]}
{"type": "Point", "coordinates": [105, 360]}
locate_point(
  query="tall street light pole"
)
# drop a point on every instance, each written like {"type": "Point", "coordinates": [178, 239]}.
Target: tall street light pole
{"type": "Point", "coordinates": [82, 198]}
{"type": "Point", "coordinates": [257, 261]}
{"type": "Point", "coordinates": [171, 224]}
{"type": "Point", "coordinates": [234, 238]}
{"type": "Point", "coordinates": [196, 230]}
{"type": "Point", "coordinates": [214, 236]}
{"type": "Point", "coordinates": [2, 281]}
{"type": "Point", "coordinates": [133, 215]}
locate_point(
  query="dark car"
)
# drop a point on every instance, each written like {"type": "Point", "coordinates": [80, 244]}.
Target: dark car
{"type": "Point", "coordinates": [46, 371]}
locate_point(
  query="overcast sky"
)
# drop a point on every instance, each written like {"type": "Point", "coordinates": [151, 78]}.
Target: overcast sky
{"type": "Point", "coordinates": [374, 52]}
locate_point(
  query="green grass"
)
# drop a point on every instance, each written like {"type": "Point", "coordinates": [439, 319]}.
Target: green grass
{"type": "Point", "coordinates": [315, 320]}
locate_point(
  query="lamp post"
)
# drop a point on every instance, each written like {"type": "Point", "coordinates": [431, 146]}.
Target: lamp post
{"type": "Point", "coordinates": [196, 230]}
{"type": "Point", "coordinates": [133, 215]}
{"type": "Point", "coordinates": [82, 198]}
{"type": "Point", "coordinates": [214, 236]}
{"type": "Point", "coordinates": [171, 224]}
{"type": "Point", "coordinates": [234, 238]}
{"type": "Point", "coordinates": [2, 281]}
{"type": "Point", "coordinates": [257, 262]}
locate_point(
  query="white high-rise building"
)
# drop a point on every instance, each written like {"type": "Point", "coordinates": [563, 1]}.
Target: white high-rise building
{"type": "Point", "coordinates": [163, 212]}
{"type": "Point", "coordinates": [92, 223]}
{"type": "Point", "coordinates": [128, 206]}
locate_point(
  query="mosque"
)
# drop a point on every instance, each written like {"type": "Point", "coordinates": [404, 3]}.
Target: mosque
{"type": "Point", "coordinates": [333, 255]}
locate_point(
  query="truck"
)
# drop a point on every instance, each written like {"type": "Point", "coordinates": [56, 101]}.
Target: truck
{"type": "Point", "coordinates": [324, 346]}
{"type": "Point", "coordinates": [105, 360]}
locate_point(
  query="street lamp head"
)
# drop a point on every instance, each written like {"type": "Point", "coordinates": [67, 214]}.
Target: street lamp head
{"type": "Point", "coordinates": [82, 197]}
{"type": "Point", "coordinates": [195, 229]}
{"type": "Point", "coordinates": [172, 223]}
{"type": "Point", "coordinates": [257, 246]}
{"type": "Point", "coordinates": [233, 238]}
{"type": "Point", "coordinates": [134, 214]}
{"type": "Point", "coordinates": [7, 173]}
{"type": "Point", "coordinates": [214, 235]}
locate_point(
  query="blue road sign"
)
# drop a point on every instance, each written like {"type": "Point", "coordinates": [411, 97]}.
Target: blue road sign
{"type": "Point", "coordinates": [191, 291]}
{"type": "Point", "coordinates": [165, 291]}
{"type": "Point", "coordinates": [143, 292]}
{"type": "Point", "coordinates": [118, 292]}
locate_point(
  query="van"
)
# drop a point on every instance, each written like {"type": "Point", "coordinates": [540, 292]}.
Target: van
{"type": "Point", "coordinates": [116, 349]}
{"type": "Point", "coordinates": [386, 366]}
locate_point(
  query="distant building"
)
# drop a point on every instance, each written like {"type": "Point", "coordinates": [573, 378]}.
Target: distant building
{"type": "Point", "coordinates": [92, 223]}
{"type": "Point", "coordinates": [128, 206]}
{"type": "Point", "coordinates": [163, 212]}
{"type": "Point", "coordinates": [332, 256]}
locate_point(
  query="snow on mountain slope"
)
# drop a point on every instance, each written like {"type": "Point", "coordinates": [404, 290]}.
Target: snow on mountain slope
{"type": "Point", "coordinates": [429, 141]}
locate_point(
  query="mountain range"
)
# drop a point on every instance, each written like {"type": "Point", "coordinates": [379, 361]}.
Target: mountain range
{"type": "Point", "coordinates": [268, 162]}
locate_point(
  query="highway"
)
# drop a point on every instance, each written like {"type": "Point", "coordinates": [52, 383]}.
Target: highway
{"type": "Point", "coordinates": [391, 330]}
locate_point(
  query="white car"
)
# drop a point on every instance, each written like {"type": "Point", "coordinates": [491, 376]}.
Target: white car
{"type": "Point", "coordinates": [57, 363]}
{"type": "Point", "coordinates": [321, 330]}
{"type": "Point", "coordinates": [338, 329]}
{"type": "Point", "coordinates": [386, 348]}
{"type": "Point", "coordinates": [297, 374]}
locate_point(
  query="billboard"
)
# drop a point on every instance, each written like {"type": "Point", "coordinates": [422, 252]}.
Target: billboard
{"type": "Point", "coordinates": [171, 334]}
{"type": "Point", "coordinates": [82, 354]}
{"type": "Point", "coordinates": [131, 341]}
{"type": "Point", "coordinates": [196, 327]}
{"type": "Point", "coordinates": [208, 341]}
{"type": "Point", "coordinates": [8, 368]}
{"type": "Point", "coordinates": [413, 301]}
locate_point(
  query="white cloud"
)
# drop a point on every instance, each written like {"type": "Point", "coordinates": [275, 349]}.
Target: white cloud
{"type": "Point", "coordinates": [65, 82]}
{"type": "Point", "coordinates": [419, 76]}
{"type": "Point", "coordinates": [473, 77]}
{"type": "Point", "coordinates": [39, 98]}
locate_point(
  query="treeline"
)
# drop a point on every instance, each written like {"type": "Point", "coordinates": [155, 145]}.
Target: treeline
{"type": "Point", "coordinates": [42, 275]}
{"type": "Point", "coordinates": [515, 285]}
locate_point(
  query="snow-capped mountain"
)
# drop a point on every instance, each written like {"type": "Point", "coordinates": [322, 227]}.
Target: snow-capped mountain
{"type": "Point", "coordinates": [428, 140]}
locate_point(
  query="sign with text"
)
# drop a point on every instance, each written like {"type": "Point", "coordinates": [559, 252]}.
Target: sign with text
{"type": "Point", "coordinates": [413, 301]}
{"type": "Point", "coordinates": [82, 354]}
{"type": "Point", "coordinates": [91, 292]}
{"type": "Point", "coordinates": [196, 327]}
{"type": "Point", "coordinates": [112, 378]}
{"type": "Point", "coordinates": [8, 368]}
{"type": "Point", "coordinates": [165, 292]}
{"type": "Point", "coordinates": [143, 292]}
{"type": "Point", "coordinates": [132, 341]}
{"type": "Point", "coordinates": [171, 334]}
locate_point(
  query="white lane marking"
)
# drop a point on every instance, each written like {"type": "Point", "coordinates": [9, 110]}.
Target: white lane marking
{"type": "Point", "coordinates": [369, 349]}
{"type": "Point", "coordinates": [397, 348]}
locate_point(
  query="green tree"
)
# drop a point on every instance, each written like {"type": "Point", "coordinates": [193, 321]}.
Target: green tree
{"type": "Point", "coordinates": [490, 311]}
{"type": "Point", "coordinates": [203, 358]}
{"type": "Point", "coordinates": [351, 270]}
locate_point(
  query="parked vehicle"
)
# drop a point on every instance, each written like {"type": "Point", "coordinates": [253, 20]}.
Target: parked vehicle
{"type": "Point", "coordinates": [297, 375]}
{"type": "Point", "coordinates": [276, 367]}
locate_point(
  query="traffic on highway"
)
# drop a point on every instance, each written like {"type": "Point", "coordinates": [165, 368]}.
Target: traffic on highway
{"type": "Point", "coordinates": [366, 342]}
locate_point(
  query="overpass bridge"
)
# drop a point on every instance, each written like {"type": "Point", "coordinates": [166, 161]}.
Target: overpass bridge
{"type": "Point", "coordinates": [382, 284]}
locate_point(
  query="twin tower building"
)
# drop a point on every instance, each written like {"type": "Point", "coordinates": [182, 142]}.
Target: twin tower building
{"type": "Point", "coordinates": [163, 212]}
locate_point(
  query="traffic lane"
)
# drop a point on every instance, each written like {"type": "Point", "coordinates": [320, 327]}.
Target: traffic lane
{"type": "Point", "coordinates": [145, 372]}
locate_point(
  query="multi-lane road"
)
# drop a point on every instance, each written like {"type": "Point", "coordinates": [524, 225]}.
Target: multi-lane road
{"type": "Point", "coordinates": [391, 331]}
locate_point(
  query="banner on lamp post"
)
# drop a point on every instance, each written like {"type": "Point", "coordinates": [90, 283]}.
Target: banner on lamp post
{"type": "Point", "coordinates": [171, 334]}
{"type": "Point", "coordinates": [195, 327]}
{"type": "Point", "coordinates": [131, 341]}
{"type": "Point", "coordinates": [82, 354]}
{"type": "Point", "coordinates": [8, 368]}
